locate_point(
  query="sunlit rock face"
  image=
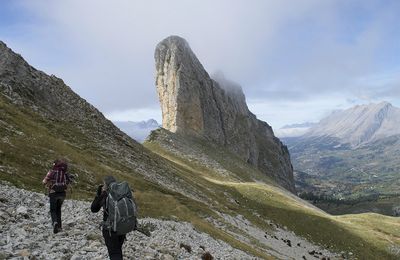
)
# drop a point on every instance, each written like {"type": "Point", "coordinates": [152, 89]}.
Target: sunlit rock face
{"type": "Point", "coordinates": [213, 108]}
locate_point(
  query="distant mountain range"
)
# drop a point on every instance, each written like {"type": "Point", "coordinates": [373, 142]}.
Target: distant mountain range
{"type": "Point", "coordinates": [356, 126]}
{"type": "Point", "coordinates": [359, 125]}
{"type": "Point", "coordinates": [137, 130]}
{"type": "Point", "coordinates": [350, 153]}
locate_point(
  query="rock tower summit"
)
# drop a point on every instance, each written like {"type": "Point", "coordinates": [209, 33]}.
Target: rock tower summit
{"type": "Point", "coordinates": [194, 104]}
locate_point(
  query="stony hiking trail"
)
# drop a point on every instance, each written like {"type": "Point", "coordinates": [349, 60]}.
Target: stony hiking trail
{"type": "Point", "coordinates": [26, 233]}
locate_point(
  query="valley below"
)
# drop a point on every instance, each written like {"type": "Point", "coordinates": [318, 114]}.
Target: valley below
{"type": "Point", "coordinates": [349, 162]}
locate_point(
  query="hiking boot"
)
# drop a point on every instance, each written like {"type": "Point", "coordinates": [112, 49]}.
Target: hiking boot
{"type": "Point", "coordinates": [55, 228]}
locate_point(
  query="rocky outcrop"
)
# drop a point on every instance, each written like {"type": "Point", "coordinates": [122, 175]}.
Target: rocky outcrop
{"type": "Point", "coordinates": [194, 104]}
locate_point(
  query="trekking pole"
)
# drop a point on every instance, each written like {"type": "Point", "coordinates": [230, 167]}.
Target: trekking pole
{"type": "Point", "coordinates": [71, 191]}
{"type": "Point", "coordinates": [73, 181]}
{"type": "Point", "coordinates": [45, 189]}
{"type": "Point", "coordinates": [72, 198]}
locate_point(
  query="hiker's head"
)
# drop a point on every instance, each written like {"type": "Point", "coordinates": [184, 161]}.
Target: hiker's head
{"type": "Point", "coordinates": [108, 180]}
{"type": "Point", "coordinates": [55, 164]}
{"type": "Point", "coordinates": [60, 164]}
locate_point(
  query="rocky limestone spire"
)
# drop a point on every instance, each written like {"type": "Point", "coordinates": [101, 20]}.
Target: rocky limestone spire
{"type": "Point", "coordinates": [181, 108]}
{"type": "Point", "coordinates": [194, 104]}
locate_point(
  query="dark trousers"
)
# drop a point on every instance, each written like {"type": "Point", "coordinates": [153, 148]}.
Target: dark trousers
{"type": "Point", "coordinates": [114, 244]}
{"type": "Point", "coordinates": [56, 201]}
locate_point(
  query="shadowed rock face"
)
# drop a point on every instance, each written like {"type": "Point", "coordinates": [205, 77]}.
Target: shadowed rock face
{"type": "Point", "coordinates": [194, 104]}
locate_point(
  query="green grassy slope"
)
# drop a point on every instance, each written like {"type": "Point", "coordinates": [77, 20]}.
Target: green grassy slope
{"type": "Point", "coordinates": [363, 235]}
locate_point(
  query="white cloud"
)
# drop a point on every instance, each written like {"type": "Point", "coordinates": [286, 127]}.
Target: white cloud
{"type": "Point", "coordinates": [292, 56]}
{"type": "Point", "coordinates": [279, 113]}
{"type": "Point", "coordinates": [112, 45]}
{"type": "Point", "coordinates": [291, 132]}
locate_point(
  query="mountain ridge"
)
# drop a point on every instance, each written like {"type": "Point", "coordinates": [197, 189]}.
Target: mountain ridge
{"type": "Point", "coordinates": [359, 125]}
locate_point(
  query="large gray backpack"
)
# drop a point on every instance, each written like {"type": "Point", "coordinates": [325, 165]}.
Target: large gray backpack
{"type": "Point", "coordinates": [121, 209]}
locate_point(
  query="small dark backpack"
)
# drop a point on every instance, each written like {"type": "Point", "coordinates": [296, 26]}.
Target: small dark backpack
{"type": "Point", "coordinates": [121, 209]}
{"type": "Point", "coordinates": [59, 179]}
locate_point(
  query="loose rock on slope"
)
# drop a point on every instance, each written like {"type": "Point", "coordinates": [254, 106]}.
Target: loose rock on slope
{"type": "Point", "coordinates": [26, 232]}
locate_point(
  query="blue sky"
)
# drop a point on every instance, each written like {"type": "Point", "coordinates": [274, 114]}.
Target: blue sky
{"type": "Point", "coordinates": [295, 60]}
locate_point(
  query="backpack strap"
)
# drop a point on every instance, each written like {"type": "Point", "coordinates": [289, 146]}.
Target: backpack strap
{"type": "Point", "coordinates": [106, 208]}
{"type": "Point", "coordinates": [58, 179]}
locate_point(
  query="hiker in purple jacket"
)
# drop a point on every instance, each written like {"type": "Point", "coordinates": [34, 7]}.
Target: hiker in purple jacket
{"type": "Point", "coordinates": [57, 180]}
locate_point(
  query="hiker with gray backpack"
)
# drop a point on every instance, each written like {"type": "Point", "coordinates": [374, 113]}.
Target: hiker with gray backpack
{"type": "Point", "coordinates": [119, 214]}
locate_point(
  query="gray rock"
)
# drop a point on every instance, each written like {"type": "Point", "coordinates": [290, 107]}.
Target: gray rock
{"type": "Point", "coordinates": [76, 257]}
{"type": "Point", "coordinates": [166, 257]}
{"type": "Point", "coordinates": [22, 210]}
